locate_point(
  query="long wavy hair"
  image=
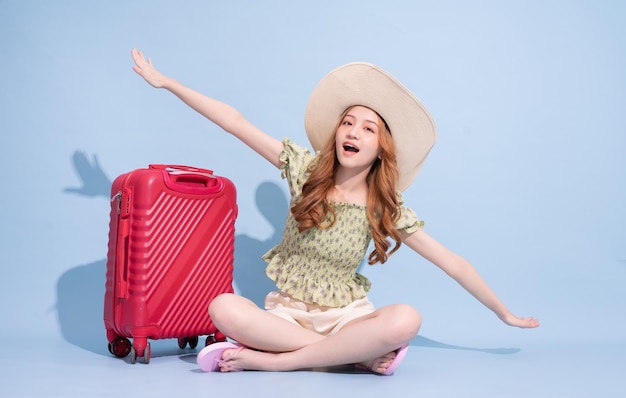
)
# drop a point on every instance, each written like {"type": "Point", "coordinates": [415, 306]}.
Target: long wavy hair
{"type": "Point", "coordinates": [383, 208]}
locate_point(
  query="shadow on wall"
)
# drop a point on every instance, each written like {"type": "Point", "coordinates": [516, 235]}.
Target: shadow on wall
{"type": "Point", "coordinates": [80, 290]}
{"type": "Point", "coordinates": [249, 266]}
{"type": "Point", "coordinates": [94, 182]}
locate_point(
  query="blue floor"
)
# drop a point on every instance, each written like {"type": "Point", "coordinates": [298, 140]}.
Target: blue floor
{"type": "Point", "coordinates": [49, 368]}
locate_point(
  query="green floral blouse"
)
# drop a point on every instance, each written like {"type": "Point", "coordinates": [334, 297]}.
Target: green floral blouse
{"type": "Point", "coordinates": [320, 265]}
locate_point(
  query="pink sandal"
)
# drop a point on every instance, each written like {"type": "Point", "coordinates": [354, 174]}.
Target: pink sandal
{"type": "Point", "coordinates": [210, 357]}
{"type": "Point", "coordinates": [400, 354]}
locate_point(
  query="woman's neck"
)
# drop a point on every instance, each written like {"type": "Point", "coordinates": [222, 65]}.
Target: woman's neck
{"type": "Point", "coordinates": [350, 192]}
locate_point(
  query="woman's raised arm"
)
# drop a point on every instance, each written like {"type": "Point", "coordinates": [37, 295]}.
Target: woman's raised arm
{"type": "Point", "coordinates": [220, 113]}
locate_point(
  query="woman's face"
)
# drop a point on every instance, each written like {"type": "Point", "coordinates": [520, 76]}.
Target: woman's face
{"type": "Point", "coordinates": [357, 138]}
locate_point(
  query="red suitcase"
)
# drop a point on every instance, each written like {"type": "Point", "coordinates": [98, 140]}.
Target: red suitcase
{"type": "Point", "coordinates": [170, 252]}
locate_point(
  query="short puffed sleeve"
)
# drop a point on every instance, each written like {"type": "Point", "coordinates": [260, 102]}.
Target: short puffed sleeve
{"type": "Point", "coordinates": [408, 220]}
{"type": "Point", "coordinates": [294, 167]}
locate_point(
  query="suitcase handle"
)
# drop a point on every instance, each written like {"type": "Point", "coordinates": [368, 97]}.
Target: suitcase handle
{"type": "Point", "coordinates": [190, 180]}
{"type": "Point", "coordinates": [178, 168]}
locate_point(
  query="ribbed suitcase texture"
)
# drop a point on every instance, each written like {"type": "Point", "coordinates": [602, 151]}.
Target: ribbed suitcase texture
{"type": "Point", "coordinates": [170, 253]}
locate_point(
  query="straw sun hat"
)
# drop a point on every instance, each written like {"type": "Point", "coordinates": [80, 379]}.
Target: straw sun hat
{"type": "Point", "coordinates": [360, 83]}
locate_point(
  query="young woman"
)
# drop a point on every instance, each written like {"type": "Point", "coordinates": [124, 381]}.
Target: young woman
{"type": "Point", "coordinates": [371, 136]}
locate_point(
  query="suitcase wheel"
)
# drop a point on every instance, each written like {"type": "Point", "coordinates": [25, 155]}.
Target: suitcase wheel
{"type": "Point", "coordinates": [219, 336]}
{"type": "Point", "coordinates": [183, 341]}
{"type": "Point", "coordinates": [146, 354]}
{"type": "Point", "coordinates": [120, 347]}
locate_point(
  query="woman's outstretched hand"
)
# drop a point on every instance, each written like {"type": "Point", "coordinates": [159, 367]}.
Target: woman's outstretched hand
{"type": "Point", "coordinates": [145, 69]}
{"type": "Point", "coordinates": [520, 322]}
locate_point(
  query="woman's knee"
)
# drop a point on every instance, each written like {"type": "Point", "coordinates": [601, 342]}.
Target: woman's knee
{"type": "Point", "coordinates": [226, 309]}
{"type": "Point", "coordinates": [404, 321]}
{"type": "Point", "coordinates": [219, 302]}
{"type": "Point", "coordinates": [222, 307]}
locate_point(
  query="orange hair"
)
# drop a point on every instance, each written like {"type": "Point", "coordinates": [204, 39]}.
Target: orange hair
{"type": "Point", "coordinates": [383, 208]}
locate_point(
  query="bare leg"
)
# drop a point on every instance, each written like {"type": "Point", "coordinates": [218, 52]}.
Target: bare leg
{"type": "Point", "coordinates": [241, 320]}
{"type": "Point", "coordinates": [374, 336]}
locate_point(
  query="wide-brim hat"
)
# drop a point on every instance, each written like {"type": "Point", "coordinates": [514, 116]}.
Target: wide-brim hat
{"type": "Point", "coordinates": [360, 83]}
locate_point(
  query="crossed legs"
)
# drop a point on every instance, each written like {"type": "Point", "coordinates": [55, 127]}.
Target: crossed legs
{"type": "Point", "coordinates": [279, 345]}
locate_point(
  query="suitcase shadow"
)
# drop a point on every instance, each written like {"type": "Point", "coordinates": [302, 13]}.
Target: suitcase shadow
{"type": "Point", "coordinates": [79, 306]}
{"type": "Point", "coordinates": [80, 290]}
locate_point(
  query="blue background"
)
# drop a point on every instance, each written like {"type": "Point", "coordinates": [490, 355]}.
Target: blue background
{"type": "Point", "coordinates": [527, 179]}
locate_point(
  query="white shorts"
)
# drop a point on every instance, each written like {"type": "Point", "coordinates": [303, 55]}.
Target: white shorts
{"type": "Point", "coordinates": [320, 319]}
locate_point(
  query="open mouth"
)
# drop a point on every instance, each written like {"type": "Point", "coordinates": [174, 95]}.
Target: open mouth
{"type": "Point", "coordinates": [350, 148]}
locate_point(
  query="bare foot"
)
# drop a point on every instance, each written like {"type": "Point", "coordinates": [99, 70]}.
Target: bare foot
{"type": "Point", "coordinates": [380, 364]}
{"type": "Point", "coordinates": [237, 359]}
{"type": "Point", "coordinates": [229, 356]}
